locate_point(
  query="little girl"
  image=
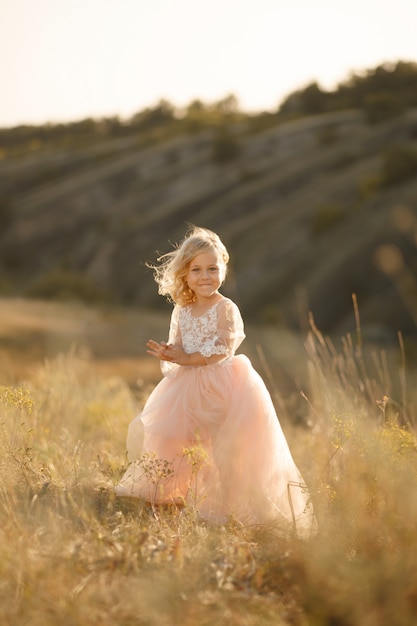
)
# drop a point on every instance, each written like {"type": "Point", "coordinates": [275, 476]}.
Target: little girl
{"type": "Point", "coordinates": [208, 433]}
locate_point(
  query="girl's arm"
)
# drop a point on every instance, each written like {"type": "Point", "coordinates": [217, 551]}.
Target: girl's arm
{"type": "Point", "coordinates": [176, 354]}
{"type": "Point", "coordinates": [159, 350]}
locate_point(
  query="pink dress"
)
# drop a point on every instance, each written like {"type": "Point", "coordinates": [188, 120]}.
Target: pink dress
{"type": "Point", "coordinates": [210, 436]}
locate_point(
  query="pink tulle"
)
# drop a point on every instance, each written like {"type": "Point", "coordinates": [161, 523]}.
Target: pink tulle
{"type": "Point", "coordinates": [210, 436]}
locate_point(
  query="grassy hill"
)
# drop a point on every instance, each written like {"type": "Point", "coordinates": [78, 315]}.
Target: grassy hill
{"type": "Point", "coordinates": [306, 207]}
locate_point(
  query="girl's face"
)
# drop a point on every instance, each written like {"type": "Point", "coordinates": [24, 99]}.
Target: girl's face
{"type": "Point", "coordinates": [205, 275]}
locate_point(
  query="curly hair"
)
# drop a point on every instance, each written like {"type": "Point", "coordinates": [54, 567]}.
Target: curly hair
{"type": "Point", "coordinates": [171, 273]}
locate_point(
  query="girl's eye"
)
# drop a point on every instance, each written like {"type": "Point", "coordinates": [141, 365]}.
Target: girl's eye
{"type": "Point", "coordinates": [210, 269]}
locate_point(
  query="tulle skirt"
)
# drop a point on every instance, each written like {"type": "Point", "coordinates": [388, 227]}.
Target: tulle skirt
{"type": "Point", "coordinates": [210, 436]}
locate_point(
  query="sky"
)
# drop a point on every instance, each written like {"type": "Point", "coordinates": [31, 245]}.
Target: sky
{"type": "Point", "coordinates": [66, 60]}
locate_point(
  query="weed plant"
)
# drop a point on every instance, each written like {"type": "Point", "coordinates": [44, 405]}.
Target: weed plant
{"type": "Point", "coordinates": [71, 553]}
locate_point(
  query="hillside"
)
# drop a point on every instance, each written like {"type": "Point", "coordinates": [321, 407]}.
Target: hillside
{"type": "Point", "coordinates": [303, 207]}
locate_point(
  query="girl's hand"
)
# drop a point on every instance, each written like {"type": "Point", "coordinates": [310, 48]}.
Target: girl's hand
{"type": "Point", "coordinates": [158, 350]}
{"type": "Point", "coordinates": [177, 355]}
{"type": "Point", "coordinates": [167, 352]}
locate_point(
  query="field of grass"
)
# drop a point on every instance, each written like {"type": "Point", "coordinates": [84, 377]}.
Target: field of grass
{"type": "Point", "coordinates": [71, 553]}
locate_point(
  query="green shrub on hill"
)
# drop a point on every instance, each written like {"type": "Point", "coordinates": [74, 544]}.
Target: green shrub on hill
{"type": "Point", "coordinates": [382, 106]}
{"type": "Point", "coordinates": [382, 92]}
{"type": "Point", "coordinates": [226, 146]}
{"type": "Point", "coordinates": [5, 211]}
{"type": "Point", "coordinates": [327, 135]}
{"type": "Point", "coordinates": [399, 164]}
{"type": "Point", "coordinates": [325, 217]}
{"type": "Point", "coordinates": [369, 186]}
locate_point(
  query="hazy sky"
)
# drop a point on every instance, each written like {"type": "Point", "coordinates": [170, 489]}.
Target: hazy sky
{"type": "Point", "coordinates": [64, 60]}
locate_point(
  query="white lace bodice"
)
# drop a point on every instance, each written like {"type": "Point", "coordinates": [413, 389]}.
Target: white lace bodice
{"type": "Point", "coordinates": [218, 331]}
{"type": "Point", "coordinates": [199, 334]}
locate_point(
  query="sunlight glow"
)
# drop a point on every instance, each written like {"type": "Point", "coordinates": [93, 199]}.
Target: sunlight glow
{"type": "Point", "coordinates": [70, 59]}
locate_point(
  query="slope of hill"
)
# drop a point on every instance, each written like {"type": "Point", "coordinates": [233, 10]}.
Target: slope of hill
{"type": "Point", "coordinates": [302, 207]}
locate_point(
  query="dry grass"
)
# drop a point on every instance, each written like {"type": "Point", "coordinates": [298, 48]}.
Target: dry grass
{"type": "Point", "coordinates": [71, 553]}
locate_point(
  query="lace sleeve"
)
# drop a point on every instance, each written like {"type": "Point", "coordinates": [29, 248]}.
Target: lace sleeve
{"type": "Point", "coordinates": [168, 369]}
{"type": "Point", "coordinates": [229, 332]}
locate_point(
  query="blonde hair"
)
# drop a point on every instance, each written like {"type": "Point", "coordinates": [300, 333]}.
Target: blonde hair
{"type": "Point", "coordinates": [171, 273]}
